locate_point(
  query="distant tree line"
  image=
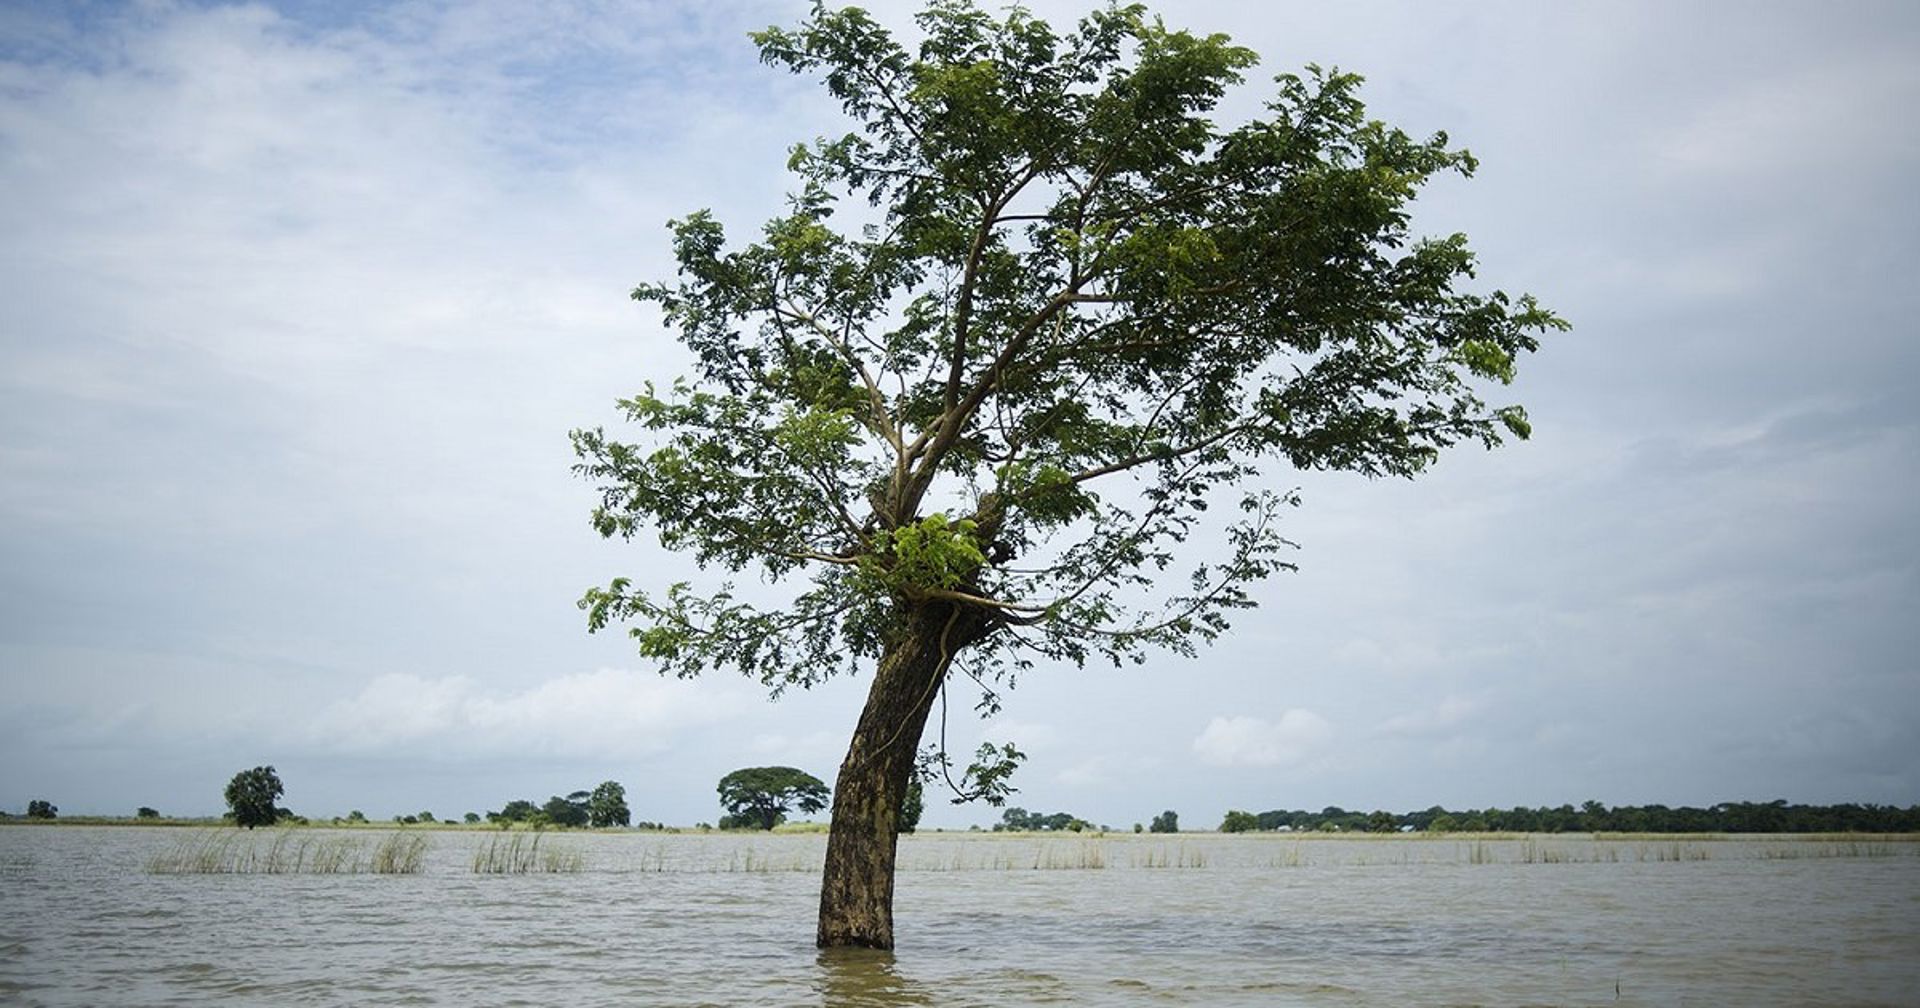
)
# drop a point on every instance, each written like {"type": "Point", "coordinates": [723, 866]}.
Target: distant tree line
{"type": "Point", "coordinates": [1019, 819]}
{"type": "Point", "coordinates": [1594, 817]}
{"type": "Point", "coordinates": [604, 806]}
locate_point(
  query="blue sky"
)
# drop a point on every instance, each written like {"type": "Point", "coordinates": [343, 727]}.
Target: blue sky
{"type": "Point", "coordinates": [302, 303]}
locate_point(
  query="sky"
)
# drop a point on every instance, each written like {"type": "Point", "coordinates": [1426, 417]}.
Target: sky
{"type": "Point", "coordinates": [301, 301]}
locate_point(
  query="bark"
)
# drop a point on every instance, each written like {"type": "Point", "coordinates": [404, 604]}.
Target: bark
{"type": "Point", "coordinates": [856, 888]}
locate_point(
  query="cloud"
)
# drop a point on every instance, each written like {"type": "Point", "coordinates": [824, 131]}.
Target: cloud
{"type": "Point", "coordinates": [607, 712]}
{"type": "Point", "coordinates": [1252, 741]}
{"type": "Point", "coordinates": [1451, 712]}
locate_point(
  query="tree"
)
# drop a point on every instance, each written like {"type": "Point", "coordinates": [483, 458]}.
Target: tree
{"type": "Point", "coordinates": [146, 812]}
{"type": "Point", "coordinates": [607, 806]}
{"type": "Point", "coordinates": [517, 810]}
{"type": "Point", "coordinates": [973, 429]}
{"type": "Point", "coordinates": [760, 796]}
{"type": "Point", "coordinates": [1237, 821]}
{"type": "Point", "coordinates": [913, 806]}
{"type": "Point", "coordinates": [568, 811]}
{"type": "Point", "coordinates": [1165, 822]}
{"type": "Point", "coordinates": [251, 796]}
{"type": "Point", "coordinates": [40, 808]}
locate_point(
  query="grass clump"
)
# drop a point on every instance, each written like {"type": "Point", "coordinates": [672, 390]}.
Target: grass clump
{"type": "Point", "coordinates": [287, 852]}
{"type": "Point", "coordinates": [520, 854]}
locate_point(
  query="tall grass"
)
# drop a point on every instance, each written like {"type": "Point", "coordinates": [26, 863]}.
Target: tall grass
{"type": "Point", "coordinates": [399, 854]}
{"type": "Point", "coordinates": [516, 854]}
{"type": "Point", "coordinates": [288, 852]}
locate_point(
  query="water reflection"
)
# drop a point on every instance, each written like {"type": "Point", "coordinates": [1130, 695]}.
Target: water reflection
{"type": "Point", "coordinates": [851, 978]}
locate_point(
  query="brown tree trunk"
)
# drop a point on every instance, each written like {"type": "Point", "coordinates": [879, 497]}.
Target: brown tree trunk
{"type": "Point", "coordinates": [856, 889]}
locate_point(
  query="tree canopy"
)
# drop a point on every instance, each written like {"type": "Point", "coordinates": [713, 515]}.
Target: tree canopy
{"type": "Point", "coordinates": [251, 797]}
{"type": "Point", "coordinates": [607, 806]}
{"type": "Point", "coordinates": [1072, 279]}
{"type": "Point", "coordinates": [980, 396]}
{"type": "Point", "coordinates": [759, 797]}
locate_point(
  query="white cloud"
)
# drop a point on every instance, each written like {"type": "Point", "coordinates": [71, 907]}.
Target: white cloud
{"type": "Point", "coordinates": [1252, 741]}
{"type": "Point", "coordinates": [607, 712]}
{"type": "Point", "coordinates": [1450, 712]}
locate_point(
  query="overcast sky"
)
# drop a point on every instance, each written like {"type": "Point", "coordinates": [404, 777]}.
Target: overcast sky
{"type": "Point", "coordinates": [300, 301]}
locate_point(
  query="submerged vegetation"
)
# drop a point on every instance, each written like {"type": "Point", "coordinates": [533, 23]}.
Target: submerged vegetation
{"type": "Point", "coordinates": [291, 852]}
{"type": "Point", "coordinates": [520, 854]}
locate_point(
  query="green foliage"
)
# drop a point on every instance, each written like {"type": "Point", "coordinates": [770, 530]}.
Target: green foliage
{"type": "Point", "coordinates": [1165, 822]}
{"type": "Point", "coordinates": [759, 797]}
{"type": "Point", "coordinates": [1020, 820]}
{"type": "Point", "coordinates": [251, 796]}
{"type": "Point", "coordinates": [40, 808]}
{"type": "Point", "coordinates": [1239, 822]}
{"type": "Point", "coordinates": [568, 811]}
{"type": "Point", "coordinates": [607, 806]}
{"type": "Point", "coordinates": [471, 818]}
{"type": "Point", "coordinates": [356, 816]}
{"type": "Point", "coordinates": [1592, 817]}
{"type": "Point", "coordinates": [912, 806]}
{"type": "Point", "coordinates": [1080, 314]}
{"type": "Point", "coordinates": [146, 812]}
{"type": "Point", "coordinates": [518, 810]}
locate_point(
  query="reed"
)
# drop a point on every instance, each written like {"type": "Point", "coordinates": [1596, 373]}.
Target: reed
{"type": "Point", "coordinates": [516, 854]}
{"type": "Point", "coordinates": [1088, 855]}
{"type": "Point", "coordinates": [399, 854]}
{"type": "Point", "coordinates": [288, 852]}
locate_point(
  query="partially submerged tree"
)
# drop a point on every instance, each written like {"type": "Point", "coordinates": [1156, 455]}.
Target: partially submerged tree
{"type": "Point", "coordinates": [984, 425]}
{"type": "Point", "coordinates": [251, 795]}
{"type": "Point", "coordinates": [759, 797]}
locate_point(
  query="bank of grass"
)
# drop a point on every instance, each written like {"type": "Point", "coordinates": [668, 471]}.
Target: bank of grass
{"type": "Point", "coordinates": [231, 851]}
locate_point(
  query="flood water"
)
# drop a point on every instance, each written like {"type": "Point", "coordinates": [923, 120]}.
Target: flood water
{"type": "Point", "coordinates": [983, 919]}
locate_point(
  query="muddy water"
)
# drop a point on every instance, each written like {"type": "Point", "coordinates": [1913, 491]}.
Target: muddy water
{"type": "Point", "coordinates": [646, 919]}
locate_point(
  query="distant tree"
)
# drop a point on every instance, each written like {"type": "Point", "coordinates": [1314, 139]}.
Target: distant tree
{"type": "Point", "coordinates": [40, 808]}
{"type": "Point", "coordinates": [472, 817]}
{"type": "Point", "coordinates": [1138, 828]}
{"type": "Point", "coordinates": [762, 795]}
{"type": "Point", "coordinates": [1382, 822]}
{"type": "Point", "coordinates": [1020, 820]}
{"type": "Point", "coordinates": [568, 811]}
{"type": "Point", "coordinates": [356, 816]}
{"type": "Point", "coordinates": [1237, 821]}
{"type": "Point", "coordinates": [251, 796]}
{"type": "Point", "coordinates": [517, 810]}
{"type": "Point", "coordinates": [1165, 822]}
{"type": "Point", "coordinates": [427, 817]}
{"type": "Point", "coordinates": [607, 806]}
{"type": "Point", "coordinates": [912, 806]}
{"type": "Point", "coordinates": [147, 813]}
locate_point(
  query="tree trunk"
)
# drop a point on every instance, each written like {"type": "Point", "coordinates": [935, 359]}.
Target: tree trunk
{"type": "Point", "coordinates": [856, 889]}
